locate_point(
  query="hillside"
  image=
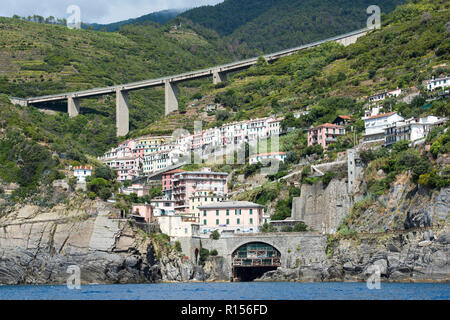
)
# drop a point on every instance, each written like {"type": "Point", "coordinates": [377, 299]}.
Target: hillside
{"type": "Point", "coordinates": [326, 81]}
{"type": "Point", "coordinates": [332, 79]}
{"type": "Point", "coordinates": [40, 59]}
{"type": "Point", "coordinates": [160, 17]}
{"type": "Point", "coordinates": [271, 25]}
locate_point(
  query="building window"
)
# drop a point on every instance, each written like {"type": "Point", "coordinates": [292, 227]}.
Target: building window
{"type": "Point", "coordinates": [217, 222]}
{"type": "Point", "coordinates": [251, 211]}
{"type": "Point", "coordinates": [228, 221]}
{"type": "Point", "coordinates": [204, 213]}
{"type": "Point", "coordinates": [251, 220]}
{"type": "Point", "coordinates": [228, 212]}
{"type": "Point", "coordinates": [204, 222]}
{"type": "Point", "coordinates": [217, 212]}
{"type": "Point", "coordinates": [238, 221]}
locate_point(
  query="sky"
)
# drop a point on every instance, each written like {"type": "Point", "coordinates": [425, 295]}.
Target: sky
{"type": "Point", "coordinates": [99, 11]}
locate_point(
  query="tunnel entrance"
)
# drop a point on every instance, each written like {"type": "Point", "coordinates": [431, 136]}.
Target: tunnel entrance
{"type": "Point", "coordinates": [252, 260]}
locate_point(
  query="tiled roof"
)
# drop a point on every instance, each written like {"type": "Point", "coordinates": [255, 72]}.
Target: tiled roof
{"type": "Point", "coordinates": [268, 154]}
{"type": "Point", "coordinates": [327, 125]}
{"type": "Point", "coordinates": [231, 204]}
{"type": "Point", "coordinates": [345, 117]}
{"type": "Point", "coordinates": [382, 115]}
{"type": "Point", "coordinates": [174, 171]}
{"type": "Point", "coordinates": [83, 168]}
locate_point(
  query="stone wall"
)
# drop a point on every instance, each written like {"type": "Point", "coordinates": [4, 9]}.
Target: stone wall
{"type": "Point", "coordinates": [295, 248]}
{"type": "Point", "coordinates": [322, 209]}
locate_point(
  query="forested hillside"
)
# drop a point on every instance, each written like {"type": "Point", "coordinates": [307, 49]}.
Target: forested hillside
{"type": "Point", "coordinates": [39, 59]}
{"type": "Point", "coordinates": [328, 80]}
{"type": "Point", "coordinates": [412, 46]}
{"type": "Point", "coordinates": [160, 17]}
{"type": "Point", "coordinates": [270, 25]}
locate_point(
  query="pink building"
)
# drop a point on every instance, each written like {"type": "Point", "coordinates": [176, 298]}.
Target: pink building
{"type": "Point", "coordinates": [126, 148]}
{"type": "Point", "coordinates": [167, 182]}
{"type": "Point", "coordinates": [235, 216]}
{"type": "Point", "coordinates": [127, 168]}
{"type": "Point", "coordinates": [185, 184]}
{"type": "Point", "coordinates": [143, 210]}
{"type": "Point", "coordinates": [138, 188]}
{"type": "Point", "coordinates": [325, 134]}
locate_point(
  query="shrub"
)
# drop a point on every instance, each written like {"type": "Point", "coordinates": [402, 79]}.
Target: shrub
{"type": "Point", "coordinates": [213, 253]}
{"type": "Point", "coordinates": [215, 235]}
{"type": "Point", "coordinates": [300, 227]}
{"type": "Point", "coordinates": [328, 177]}
{"type": "Point", "coordinates": [178, 246]}
{"type": "Point", "coordinates": [402, 145]}
{"type": "Point", "coordinates": [282, 209]}
{"type": "Point", "coordinates": [268, 228]}
{"type": "Point", "coordinates": [101, 188]}
{"type": "Point", "coordinates": [204, 254]}
{"type": "Point", "coordinates": [104, 172]}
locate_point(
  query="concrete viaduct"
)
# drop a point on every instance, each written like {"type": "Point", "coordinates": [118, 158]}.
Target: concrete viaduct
{"type": "Point", "coordinates": [218, 73]}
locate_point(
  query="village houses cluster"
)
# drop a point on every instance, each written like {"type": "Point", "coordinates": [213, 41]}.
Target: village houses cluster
{"type": "Point", "coordinates": [197, 202]}
{"type": "Point", "coordinates": [193, 201]}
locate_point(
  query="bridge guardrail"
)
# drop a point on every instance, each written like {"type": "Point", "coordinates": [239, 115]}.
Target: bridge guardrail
{"type": "Point", "coordinates": [159, 81]}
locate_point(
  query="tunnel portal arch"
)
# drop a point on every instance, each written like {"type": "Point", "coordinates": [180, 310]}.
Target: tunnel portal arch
{"type": "Point", "coordinates": [251, 260]}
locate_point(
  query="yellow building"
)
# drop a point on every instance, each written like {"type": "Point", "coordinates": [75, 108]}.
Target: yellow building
{"type": "Point", "coordinates": [201, 198]}
{"type": "Point", "coordinates": [150, 144]}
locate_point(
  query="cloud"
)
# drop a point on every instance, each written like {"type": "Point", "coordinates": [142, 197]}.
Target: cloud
{"type": "Point", "coordinates": [100, 11]}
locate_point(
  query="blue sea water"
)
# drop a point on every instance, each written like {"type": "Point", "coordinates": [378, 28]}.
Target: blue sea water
{"type": "Point", "coordinates": [232, 291]}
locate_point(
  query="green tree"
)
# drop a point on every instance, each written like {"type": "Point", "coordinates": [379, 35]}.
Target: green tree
{"type": "Point", "coordinates": [104, 172]}
{"type": "Point", "coordinates": [215, 235]}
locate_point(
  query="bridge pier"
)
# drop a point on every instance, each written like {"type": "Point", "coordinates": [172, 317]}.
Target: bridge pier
{"type": "Point", "coordinates": [122, 113]}
{"type": "Point", "coordinates": [73, 106]}
{"type": "Point", "coordinates": [171, 93]}
{"type": "Point", "coordinates": [219, 77]}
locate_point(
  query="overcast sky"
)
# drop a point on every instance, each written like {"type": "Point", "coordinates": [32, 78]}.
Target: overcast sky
{"type": "Point", "coordinates": [100, 11]}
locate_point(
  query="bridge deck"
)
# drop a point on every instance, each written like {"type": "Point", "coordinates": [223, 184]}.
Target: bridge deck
{"type": "Point", "coordinates": [188, 75]}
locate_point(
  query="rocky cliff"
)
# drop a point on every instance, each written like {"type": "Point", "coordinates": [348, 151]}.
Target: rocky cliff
{"type": "Point", "coordinates": [408, 240]}
{"type": "Point", "coordinates": [405, 232]}
{"type": "Point", "coordinates": [416, 256]}
{"type": "Point", "coordinates": [37, 246]}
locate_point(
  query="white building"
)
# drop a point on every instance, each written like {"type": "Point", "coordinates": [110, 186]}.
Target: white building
{"type": "Point", "coordinates": [265, 157]}
{"type": "Point", "coordinates": [413, 130]}
{"type": "Point", "coordinates": [163, 207]}
{"type": "Point", "coordinates": [375, 124]}
{"type": "Point", "coordinates": [434, 84]}
{"type": "Point", "coordinates": [82, 172]}
{"type": "Point", "coordinates": [274, 127]}
{"type": "Point", "coordinates": [160, 159]}
{"type": "Point", "coordinates": [256, 129]}
{"type": "Point", "coordinates": [178, 226]}
{"type": "Point", "coordinates": [382, 96]}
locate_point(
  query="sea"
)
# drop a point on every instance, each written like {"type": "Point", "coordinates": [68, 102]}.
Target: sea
{"type": "Point", "coordinates": [232, 291]}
